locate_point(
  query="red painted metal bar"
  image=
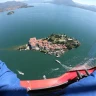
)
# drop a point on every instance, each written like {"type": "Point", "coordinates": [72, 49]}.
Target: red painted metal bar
{"type": "Point", "coordinates": [48, 83]}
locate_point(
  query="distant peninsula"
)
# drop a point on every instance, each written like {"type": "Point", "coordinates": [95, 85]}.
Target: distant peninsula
{"type": "Point", "coordinates": [12, 5]}
{"type": "Point", "coordinates": [75, 4]}
{"type": "Point", "coordinates": [55, 44]}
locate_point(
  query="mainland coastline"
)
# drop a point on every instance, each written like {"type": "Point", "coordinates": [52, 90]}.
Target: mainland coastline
{"type": "Point", "coordinates": [12, 5]}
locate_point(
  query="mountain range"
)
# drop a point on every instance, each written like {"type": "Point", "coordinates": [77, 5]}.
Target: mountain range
{"type": "Point", "coordinates": [74, 4]}
{"type": "Point", "coordinates": [12, 5]}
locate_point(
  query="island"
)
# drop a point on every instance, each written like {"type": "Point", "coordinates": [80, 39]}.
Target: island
{"type": "Point", "coordinates": [55, 44]}
{"type": "Point", "coordinates": [10, 13]}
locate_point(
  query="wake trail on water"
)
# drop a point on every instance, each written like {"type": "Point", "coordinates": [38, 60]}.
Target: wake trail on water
{"type": "Point", "coordinates": [87, 63]}
{"type": "Point", "coordinates": [55, 69]}
{"type": "Point", "coordinates": [11, 48]}
{"type": "Point", "coordinates": [63, 65]}
{"type": "Point", "coordinates": [21, 73]}
{"type": "Point", "coordinates": [66, 67]}
{"type": "Point", "coordinates": [5, 49]}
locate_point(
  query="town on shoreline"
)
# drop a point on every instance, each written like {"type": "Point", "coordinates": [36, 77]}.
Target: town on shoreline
{"type": "Point", "coordinates": [13, 5]}
{"type": "Point", "coordinates": [55, 44]}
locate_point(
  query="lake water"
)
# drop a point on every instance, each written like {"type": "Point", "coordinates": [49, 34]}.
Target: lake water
{"type": "Point", "coordinates": [40, 21]}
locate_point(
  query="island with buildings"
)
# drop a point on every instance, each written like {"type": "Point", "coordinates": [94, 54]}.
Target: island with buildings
{"type": "Point", "coordinates": [55, 44]}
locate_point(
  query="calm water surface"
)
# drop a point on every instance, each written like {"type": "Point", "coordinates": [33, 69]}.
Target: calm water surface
{"type": "Point", "coordinates": [40, 21]}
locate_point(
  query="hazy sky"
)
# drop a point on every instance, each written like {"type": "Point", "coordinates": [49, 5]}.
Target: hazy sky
{"type": "Point", "coordinates": [26, 0]}
{"type": "Point", "coordinates": [10, 0]}
{"type": "Point", "coordinates": [88, 2]}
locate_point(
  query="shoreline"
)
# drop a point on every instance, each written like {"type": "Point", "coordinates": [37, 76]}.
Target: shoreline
{"type": "Point", "coordinates": [55, 44]}
{"type": "Point", "coordinates": [13, 5]}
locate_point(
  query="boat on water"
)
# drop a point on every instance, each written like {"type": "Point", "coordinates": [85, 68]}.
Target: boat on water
{"type": "Point", "coordinates": [58, 61]}
{"type": "Point", "coordinates": [21, 73]}
{"type": "Point", "coordinates": [45, 86]}
{"type": "Point", "coordinates": [44, 76]}
{"type": "Point", "coordinates": [58, 56]}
